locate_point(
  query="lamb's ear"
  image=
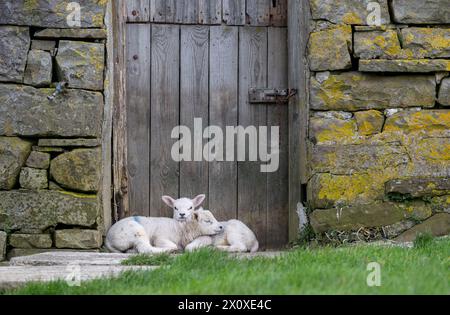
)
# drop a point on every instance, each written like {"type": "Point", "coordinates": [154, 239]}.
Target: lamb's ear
{"type": "Point", "coordinates": [196, 216]}
{"type": "Point", "coordinates": [168, 201]}
{"type": "Point", "coordinates": [198, 200]}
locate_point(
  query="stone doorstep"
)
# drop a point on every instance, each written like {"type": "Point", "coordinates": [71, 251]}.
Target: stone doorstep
{"type": "Point", "coordinates": [70, 258]}
{"type": "Point", "coordinates": [16, 276]}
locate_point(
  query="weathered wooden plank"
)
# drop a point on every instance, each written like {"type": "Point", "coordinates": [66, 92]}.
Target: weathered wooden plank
{"type": "Point", "coordinates": [298, 32]}
{"type": "Point", "coordinates": [164, 171]}
{"type": "Point", "coordinates": [158, 11]}
{"type": "Point", "coordinates": [194, 101]}
{"type": "Point", "coordinates": [190, 11]}
{"type": "Point", "coordinates": [209, 12]}
{"type": "Point", "coordinates": [278, 12]}
{"type": "Point", "coordinates": [138, 11]}
{"type": "Point", "coordinates": [258, 12]}
{"type": "Point", "coordinates": [120, 180]}
{"type": "Point", "coordinates": [106, 193]}
{"type": "Point", "coordinates": [171, 11]}
{"type": "Point", "coordinates": [277, 182]}
{"type": "Point", "coordinates": [138, 115]}
{"type": "Point", "coordinates": [252, 190]}
{"type": "Point", "coordinates": [223, 112]}
{"type": "Point", "coordinates": [233, 12]}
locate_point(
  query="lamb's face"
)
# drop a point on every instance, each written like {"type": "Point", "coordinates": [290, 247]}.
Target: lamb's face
{"type": "Point", "coordinates": [183, 208]}
{"type": "Point", "coordinates": [208, 223]}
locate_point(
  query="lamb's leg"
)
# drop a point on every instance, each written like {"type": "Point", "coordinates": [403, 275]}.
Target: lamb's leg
{"type": "Point", "coordinates": [143, 246]}
{"type": "Point", "coordinates": [166, 246]}
{"type": "Point", "coordinates": [201, 242]}
{"type": "Point", "coordinates": [236, 248]}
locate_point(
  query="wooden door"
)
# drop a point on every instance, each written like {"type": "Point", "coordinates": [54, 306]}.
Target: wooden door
{"type": "Point", "coordinates": [192, 59]}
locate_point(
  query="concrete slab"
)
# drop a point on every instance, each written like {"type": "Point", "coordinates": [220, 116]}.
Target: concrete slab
{"type": "Point", "coordinates": [16, 276]}
{"type": "Point", "coordinates": [70, 258]}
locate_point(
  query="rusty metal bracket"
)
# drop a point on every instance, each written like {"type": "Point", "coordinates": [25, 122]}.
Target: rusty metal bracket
{"type": "Point", "coordinates": [270, 96]}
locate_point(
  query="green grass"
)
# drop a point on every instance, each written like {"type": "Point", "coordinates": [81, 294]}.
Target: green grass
{"type": "Point", "coordinates": [148, 260]}
{"type": "Point", "coordinates": [424, 269]}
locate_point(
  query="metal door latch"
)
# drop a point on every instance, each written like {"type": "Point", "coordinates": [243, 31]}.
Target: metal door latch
{"type": "Point", "coordinates": [270, 96]}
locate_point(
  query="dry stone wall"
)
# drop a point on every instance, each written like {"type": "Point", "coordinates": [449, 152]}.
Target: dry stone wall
{"type": "Point", "coordinates": [50, 152]}
{"type": "Point", "coordinates": [379, 133]}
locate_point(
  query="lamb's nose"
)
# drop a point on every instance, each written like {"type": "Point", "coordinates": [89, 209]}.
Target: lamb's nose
{"type": "Point", "coordinates": [182, 215]}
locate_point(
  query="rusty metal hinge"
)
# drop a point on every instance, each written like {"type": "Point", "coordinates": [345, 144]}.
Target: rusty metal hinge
{"type": "Point", "coordinates": [270, 96]}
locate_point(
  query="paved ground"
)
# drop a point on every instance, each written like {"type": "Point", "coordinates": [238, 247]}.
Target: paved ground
{"type": "Point", "coordinates": [69, 258]}
{"type": "Point", "coordinates": [77, 266]}
{"type": "Point", "coordinates": [15, 276]}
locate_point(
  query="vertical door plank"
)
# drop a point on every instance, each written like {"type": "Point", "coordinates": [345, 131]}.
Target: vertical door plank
{"type": "Point", "coordinates": [233, 12]}
{"type": "Point", "coordinates": [190, 11]}
{"type": "Point", "coordinates": [278, 13]}
{"type": "Point", "coordinates": [138, 114]}
{"type": "Point", "coordinates": [164, 115]}
{"type": "Point", "coordinates": [194, 101]}
{"type": "Point", "coordinates": [252, 190]}
{"type": "Point", "coordinates": [298, 30]}
{"type": "Point", "coordinates": [138, 11]}
{"type": "Point", "coordinates": [277, 182]}
{"type": "Point", "coordinates": [176, 11]}
{"type": "Point", "coordinates": [258, 12]}
{"type": "Point", "coordinates": [171, 11]}
{"type": "Point", "coordinates": [223, 112]}
{"type": "Point", "coordinates": [158, 11]}
{"type": "Point", "coordinates": [209, 12]}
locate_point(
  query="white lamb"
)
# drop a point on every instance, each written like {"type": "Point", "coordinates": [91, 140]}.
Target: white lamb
{"type": "Point", "coordinates": [160, 235]}
{"type": "Point", "coordinates": [236, 238]}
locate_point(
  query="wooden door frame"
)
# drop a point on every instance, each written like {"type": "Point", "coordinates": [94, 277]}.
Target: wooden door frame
{"type": "Point", "coordinates": [298, 33]}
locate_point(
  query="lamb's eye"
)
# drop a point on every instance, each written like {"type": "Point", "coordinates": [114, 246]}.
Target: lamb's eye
{"type": "Point", "coordinates": [209, 222]}
{"type": "Point", "coordinates": [176, 208]}
{"type": "Point", "coordinates": [190, 208]}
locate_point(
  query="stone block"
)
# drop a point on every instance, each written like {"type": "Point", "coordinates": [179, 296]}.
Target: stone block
{"type": "Point", "coordinates": [14, 45]}
{"type": "Point", "coordinates": [353, 91]}
{"type": "Point", "coordinates": [330, 49]}
{"type": "Point", "coordinates": [353, 12]}
{"type": "Point", "coordinates": [438, 225]}
{"type": "Point", "coordinates": [411, 66]}
{"type": "Point", "coordinates": [54, 13]}
{"type": "Point", "coordinates": [39, 68]}
{"type": "Point", "coordinates": [78, 239]}
{"type": "Point", "coordinates": [13, 155]}
{"type": "Point", "coordinates": [26, 111]}
{"type": "Point", "coordinates": [34, 212]}
{"type": "Point", "coordinates": [77, 170]}
{"type": "Point", "coordinates": [39, 160]}
{"type": "Point", "coordinates": [369, 122]}
{"type": "Point", "coordinates": [444, 92]}
{"type": "Point", "coordinates": [85, 33]}
{"type": "Point", "coordinates": [81, 64]}
{"type": "Point", "coordinates": [378, 214]}
{"type": "Point", "coordinates": [24, 241]}
{"type": "Point", "coordinates": [421, 12]}
{"type": "Point", "coordinates": [33, 179]}
{"type": "Point", "coordinates": [419, 187]}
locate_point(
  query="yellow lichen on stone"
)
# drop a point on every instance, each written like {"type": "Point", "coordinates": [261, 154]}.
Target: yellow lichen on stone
{"type": "Point", "coordinates": [355, 188]}
{"type": "Point", "coordinates": [30, 5]}
{"type": "Point", "coordinates": [433, 149]}
{"type": "Point", "coordinates": [418, 121]}
{"type": "Point", "coordinates": [369, 122]}
{"type": "Point", "coordinates": [352, 18]}
{"type": "Point", "coordinates": [77, 195]}
{"type": "Point", "coordinates": [337, 132]}
{"type": "Point", "coordinates": [332, 91]}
